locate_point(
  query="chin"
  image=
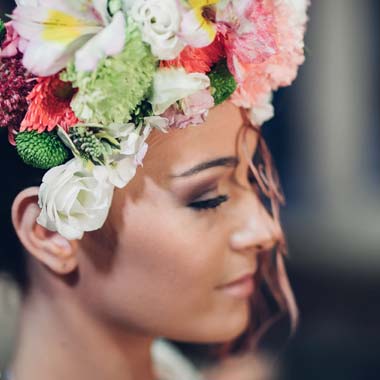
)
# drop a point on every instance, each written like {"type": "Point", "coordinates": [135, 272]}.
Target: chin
{"type": "Point", "coordinates": [233, 324]}
{"type": "Point", "coordinates": [223, 328]}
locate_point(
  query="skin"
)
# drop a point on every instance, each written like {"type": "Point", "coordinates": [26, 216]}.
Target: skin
{"type": "Point", "coordinates": [154, 269]}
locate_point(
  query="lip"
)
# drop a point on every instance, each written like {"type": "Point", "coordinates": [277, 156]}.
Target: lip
{"type": "Point", "coordinates": [241, 287]}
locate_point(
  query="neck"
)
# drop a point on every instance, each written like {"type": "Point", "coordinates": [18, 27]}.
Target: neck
{"type": "Point", "coordinates": [58, 339]}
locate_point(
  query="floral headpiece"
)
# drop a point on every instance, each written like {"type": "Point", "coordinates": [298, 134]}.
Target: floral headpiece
{"type": "Point", "coordinates": [84, 82]}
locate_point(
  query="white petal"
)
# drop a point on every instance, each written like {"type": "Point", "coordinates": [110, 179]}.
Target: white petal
{"type": "Point", "coordinates": [44, 58]}
{"type": "Point", "coordinates": [170, 85]}
{"type": "Point", "coordinates": [110, 41]}
{"type": "Point", "coordinates": [101, 7]}
{"type": "Point", "coordinates": [194, 34]}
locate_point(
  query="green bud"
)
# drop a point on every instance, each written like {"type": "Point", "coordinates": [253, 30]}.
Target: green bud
{"type": "Point", "coordinates": [41, 150]}
{"type": "Point", "coordinates": [3, 31]}
{"type": "Point", "coordinates": [223, 83]}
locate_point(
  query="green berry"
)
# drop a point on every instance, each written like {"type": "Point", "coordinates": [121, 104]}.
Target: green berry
{"type": "Point", "coordinates": [3, 32]}
{"type": "Point", "coordinates": [41, 150]}
{"type": "Point", "coordinates": [223, 83]}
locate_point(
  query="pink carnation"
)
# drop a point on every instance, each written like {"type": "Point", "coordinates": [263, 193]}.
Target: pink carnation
{"type": "Point", "coordinates": [249, 31]}
{"type": "Point", "coordinates": [49, 106]}
{"type": "Point", "coordinates": [193, 110]}
{"type": "Point", "coordinates": [257, 78]}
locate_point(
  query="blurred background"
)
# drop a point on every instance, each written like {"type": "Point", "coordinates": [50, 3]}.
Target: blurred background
{"type": "Point", "coordinates": [325, 140]}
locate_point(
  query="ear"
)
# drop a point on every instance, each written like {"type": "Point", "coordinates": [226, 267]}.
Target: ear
{"type": "Point", "coordinates": [49, 248]}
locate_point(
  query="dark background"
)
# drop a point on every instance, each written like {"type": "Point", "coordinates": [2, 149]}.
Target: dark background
{"type": "Point", "coordinates": [325, 139]}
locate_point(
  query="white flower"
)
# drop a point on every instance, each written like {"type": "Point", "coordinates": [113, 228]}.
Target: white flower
{"type": "Point", "coordinates": [74, 200]}
{"type": "Point", "coordinates": [56, 31]}
{"type": "Point", "coordinates": [171, 85]}
{"type": "Point", "coordinates": [159, 21]}
{"type": "Point", "coordinates": [121, 167]}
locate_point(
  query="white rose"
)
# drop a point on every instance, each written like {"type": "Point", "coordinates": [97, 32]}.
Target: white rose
{"type": "Point", "coordinates": [171, 84]}
{"type": "Point", "coordinates": [74, 200]}
{"type": "Point", "coordinates": [159, 21]}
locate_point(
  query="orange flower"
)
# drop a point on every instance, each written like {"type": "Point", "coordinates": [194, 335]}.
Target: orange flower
{"type": "Point", "coordinates": [49, 106]}
{"type": "Point", "coordinates": [199, 60]}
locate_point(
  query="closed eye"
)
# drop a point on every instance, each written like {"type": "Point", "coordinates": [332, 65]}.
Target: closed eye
{"type": "Point", "coordinates": [211, 203]}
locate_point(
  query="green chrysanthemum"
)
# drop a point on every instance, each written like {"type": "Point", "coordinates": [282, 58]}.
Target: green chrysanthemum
{"type": "Point", "coordinates": [223, 83]}
{"type": "Point", "coordinates": [3, 31]}
{"type": "Point", "coordinates": [41, 150]}
{"type": "Point", "coordinates": [111, 93]}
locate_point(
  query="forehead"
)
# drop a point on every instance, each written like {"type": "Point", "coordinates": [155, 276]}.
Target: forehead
{"type": "Point", "coordinates": [180, 149]}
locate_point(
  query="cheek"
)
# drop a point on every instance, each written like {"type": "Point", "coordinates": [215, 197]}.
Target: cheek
{"type": "Point", "coordinates": [166, 265]}
{"type": "Point", "coordinates": [170, 255]}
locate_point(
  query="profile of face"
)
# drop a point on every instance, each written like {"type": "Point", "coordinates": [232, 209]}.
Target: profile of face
{"type": "Point", "coordinates": [188, 223]}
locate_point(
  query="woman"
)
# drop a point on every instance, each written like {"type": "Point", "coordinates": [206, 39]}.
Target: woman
{"type": "Point", "coordinates": [119, 253]}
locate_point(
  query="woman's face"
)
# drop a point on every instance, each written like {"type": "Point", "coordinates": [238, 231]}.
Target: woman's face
{"type": "Point", "coordinates": [159, 263]}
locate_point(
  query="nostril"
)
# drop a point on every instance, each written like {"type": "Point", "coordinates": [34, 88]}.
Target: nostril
{"type": "Point", "coordinates": [260, 247]}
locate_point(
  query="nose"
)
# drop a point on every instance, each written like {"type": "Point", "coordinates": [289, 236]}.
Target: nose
{"type": "Point", "coordinates": [257, 230]}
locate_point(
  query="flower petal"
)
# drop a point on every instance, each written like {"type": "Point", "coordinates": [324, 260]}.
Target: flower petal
{"type": "Point", "coordinates": [54, 30]}
{"type": "Point", "coordinates": [74, 200]}
{"type": "Point", "coordinates": [44, 58]}
{"type": "Point", "coordinates": [171, 85]}
{"type": "Point", "coordinates": [110, 41]}
{"type": "Point", "coordinates": [196, 30]}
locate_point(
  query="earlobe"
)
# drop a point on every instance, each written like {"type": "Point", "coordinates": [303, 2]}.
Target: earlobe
{"type": "Point", "coordinates": [48, 247]}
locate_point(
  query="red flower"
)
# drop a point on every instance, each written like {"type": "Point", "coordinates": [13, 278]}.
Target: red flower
{"type": "Point", "coordinates": [49, 106]}
{"type": "Point", "coordinates": [15, 85]}
{"type": "Point", "coordinates": [199, 60]}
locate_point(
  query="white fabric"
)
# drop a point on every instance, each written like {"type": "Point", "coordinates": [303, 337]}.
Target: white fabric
{"type": "Point", "coordinates": [170, 364]}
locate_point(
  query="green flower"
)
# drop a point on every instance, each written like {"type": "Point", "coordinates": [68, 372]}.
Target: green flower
{"type": "Point", "coordinates": [223, 83]}
{"type": "Point", "coordinates": [3, 31]}
{"type": "Point", "coordinates": [111, 93]}
{"type": "Point", "coordinates": [41, 150]}
{"type": "Point", "coordinates": [93, 144]}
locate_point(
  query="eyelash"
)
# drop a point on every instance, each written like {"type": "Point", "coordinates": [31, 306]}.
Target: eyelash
{"type": "Point", "coordinates": [209, 203]}
{"type": "Point", "coordinates": [214, 203]}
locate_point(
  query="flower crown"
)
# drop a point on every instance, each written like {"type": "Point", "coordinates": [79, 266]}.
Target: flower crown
{"type": "Point", "coordinates": [84, 82]}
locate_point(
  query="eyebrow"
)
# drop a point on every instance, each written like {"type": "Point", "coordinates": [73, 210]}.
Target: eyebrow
{"type": "Point", "coordinates": [230, 161]}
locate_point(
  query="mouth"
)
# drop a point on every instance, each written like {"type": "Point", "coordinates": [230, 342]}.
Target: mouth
{"type": "Point", "coordinates": [242, 287]}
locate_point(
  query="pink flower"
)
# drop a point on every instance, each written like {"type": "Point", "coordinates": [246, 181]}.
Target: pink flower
{"type": "Point", "coordinates": [49, 106]}
{"type": "Point", "coordinates": [192, 110]}
{"type": "Point", "coordinates": [249, 31]}
{"type": "Point", "coordinates": [12, 44]}
{"type": "Point", "coordinates": [275, 30]}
